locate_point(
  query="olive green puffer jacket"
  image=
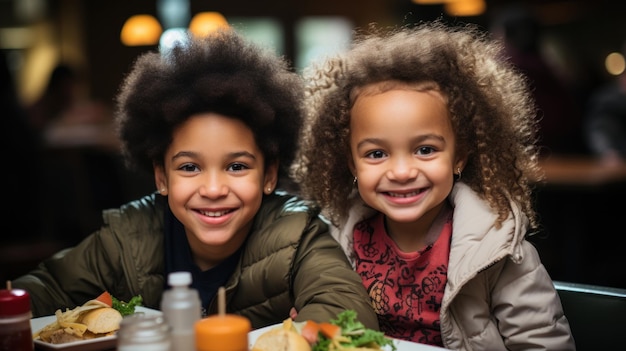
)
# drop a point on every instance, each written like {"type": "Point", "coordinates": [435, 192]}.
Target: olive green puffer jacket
{"type": "Point", "coordinates": [290, 260]}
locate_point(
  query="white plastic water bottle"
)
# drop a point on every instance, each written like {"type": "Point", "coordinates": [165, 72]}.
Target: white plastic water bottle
{"type": "Point", "coordinates": [181, 309]}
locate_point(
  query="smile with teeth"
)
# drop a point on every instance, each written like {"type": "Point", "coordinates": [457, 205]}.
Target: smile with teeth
{"type": "Point", "coordinates": [214, 213]}
{"type": "Point", "coordinates": [402, 195]}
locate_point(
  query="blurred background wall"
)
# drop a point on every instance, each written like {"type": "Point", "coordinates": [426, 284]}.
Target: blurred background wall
{"type": "Point", "coordinates": [577, 34]}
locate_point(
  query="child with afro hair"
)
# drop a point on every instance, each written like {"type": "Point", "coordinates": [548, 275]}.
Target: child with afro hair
{"type": "Point", "coordinates": [216, 120]}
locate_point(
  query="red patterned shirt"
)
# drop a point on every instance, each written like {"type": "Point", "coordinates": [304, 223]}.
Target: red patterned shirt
{"type": "Point", "coordinates": [406, 289]}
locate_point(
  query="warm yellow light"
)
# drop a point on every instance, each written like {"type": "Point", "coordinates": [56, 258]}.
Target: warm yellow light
{"type": "Point", "coordinates": [205, 23]}
{"type": "Point", "coordinates": [465, 8]}
{"type": "Point", "coordinates": [615, 63]}
{"type": "Point", "coordinates": [141, 30]}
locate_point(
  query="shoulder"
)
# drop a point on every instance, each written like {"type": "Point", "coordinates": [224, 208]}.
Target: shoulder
{"type": "Point", "coordinates": [462, 195]}
{"type": "Point", "coordinates": [132, 233]}
{"type": "Point", "coordinates": [474, 212]}
{"type": "Point", "coordinates": [470, 210]}
{"type": "Point", "coordinates": [146, 212]}
{"type": "Point", "coordinates": [281, 205]}
{"type": "Point", "coordinates": [285, 220]}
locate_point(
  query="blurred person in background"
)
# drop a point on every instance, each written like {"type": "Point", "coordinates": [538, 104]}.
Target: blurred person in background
{"type": "Point", "coordinates": [80, 156]}
{"type": "Point", "coordinates": [58, 96]}
{"type": "Point", "coordinates": [560, 116]}
{"type": "Point", "coordinates": [22, 159]}
{"type": "Point", "coordinates": [20, 250]}
{"type": "Point", "coordinates": [63, 101]}
{"type": "Point", "coordinates": [605, 123]}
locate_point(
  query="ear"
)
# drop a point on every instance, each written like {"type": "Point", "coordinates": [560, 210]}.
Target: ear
{"type": "Point", "coordinates": [460, 163]}
{"type": "Point", "coordinates": [160, 180]}
{"type": "Point", "coordinates": [271, 178]}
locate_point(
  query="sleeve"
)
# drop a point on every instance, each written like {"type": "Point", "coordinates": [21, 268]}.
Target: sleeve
{"type": "Point", "coordinates": [74, 275]}
{"type": "Point", "coordinates": [324, 282]}
{"type": "Point", "coordinates": [123, 257]}
{"type": "Point", "coordinates": [527, 307]}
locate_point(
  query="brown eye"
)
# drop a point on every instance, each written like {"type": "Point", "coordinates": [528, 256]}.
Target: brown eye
{"type": "Point", "coordinates": [375, 154]}
{"type": "Point", "coordinates": [236, 167]}
{"type": "Point", "coordinates": [425, 150]}
{"type": "Point", "coordinates": [188, 167]}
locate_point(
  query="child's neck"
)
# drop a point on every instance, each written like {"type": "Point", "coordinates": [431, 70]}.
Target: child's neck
{"type": "Point", "coordinates": [416, 236]}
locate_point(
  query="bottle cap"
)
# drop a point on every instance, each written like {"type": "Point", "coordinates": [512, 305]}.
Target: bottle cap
{"type": "Point", "coordinates": [179, 278]}
{"type": "Point", "coordinates": [14, 302]}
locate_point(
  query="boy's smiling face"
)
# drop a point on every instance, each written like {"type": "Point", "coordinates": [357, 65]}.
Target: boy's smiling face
{"type": "Point", "coordinates": [215, 178]}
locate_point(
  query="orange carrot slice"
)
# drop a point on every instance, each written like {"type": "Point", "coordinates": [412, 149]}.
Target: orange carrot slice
{"type": "Point", "coordinates": [309, 331]}
{"type": "Point", "coordinates": [105, 297]}
{"type": "Point", "coordinates": [329, 330]}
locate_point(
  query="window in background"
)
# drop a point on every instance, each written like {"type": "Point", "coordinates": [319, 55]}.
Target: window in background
{"type": "Point", "coordinates": [264, 31]}
{"type": "Point", "coordinates": [317, 37]}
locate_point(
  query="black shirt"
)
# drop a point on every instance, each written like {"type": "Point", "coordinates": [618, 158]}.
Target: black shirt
{"type": "Point", "coordinates": [178, 258]}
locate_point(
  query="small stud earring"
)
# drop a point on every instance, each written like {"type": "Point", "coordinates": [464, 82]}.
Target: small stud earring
{"type": "Point", "coordinates": [162, 190]}
{"type": "Point", "coordinates": [457, 176]}
{"type": "Point", "coordinates": [354, 181]}
{"type": "Point", "coordinates": [269, 190]}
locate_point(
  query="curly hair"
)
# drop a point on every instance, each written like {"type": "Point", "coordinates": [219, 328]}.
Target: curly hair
{"type": "Point", "coordinates": [222, 73]}
{"type": "Point", "coordinates": [490, 104]}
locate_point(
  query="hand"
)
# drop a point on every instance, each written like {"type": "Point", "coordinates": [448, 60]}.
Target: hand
{"type": "Point", "coordinates": [293, 313]}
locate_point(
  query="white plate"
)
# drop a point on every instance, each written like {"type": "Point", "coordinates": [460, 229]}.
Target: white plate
{"type": "Point", "coordinates": [401, 345]}
{"type": "Point", "coordinates": [97, 344]}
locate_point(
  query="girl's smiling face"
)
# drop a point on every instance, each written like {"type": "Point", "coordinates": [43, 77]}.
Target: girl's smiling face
{"type": "Point", "coordinates": [403, 154]}
{"type": "Point", "coordinates": [215, 178]}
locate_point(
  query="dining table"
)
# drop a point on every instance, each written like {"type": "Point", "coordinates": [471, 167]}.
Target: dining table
{"type": "Point", "coordinates": [400, 345]}
{"type": "Point", "coordinates": [581, 172]}
{"type": "Point", "coordinates": [109, 343]}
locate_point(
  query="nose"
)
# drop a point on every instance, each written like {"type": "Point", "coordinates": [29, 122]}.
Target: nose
{"type": "Point", "coordinates": [213, 185]}
{"type": "Point", "coordinates": [403, 169]}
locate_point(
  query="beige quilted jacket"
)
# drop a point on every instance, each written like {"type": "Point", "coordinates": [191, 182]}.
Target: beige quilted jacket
{"type": "Point", "coordinates": [499, 296]}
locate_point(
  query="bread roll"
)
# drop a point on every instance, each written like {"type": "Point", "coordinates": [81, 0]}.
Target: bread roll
{"type": "Point", "coordinates": [281, 340]}
{"type": "Point", "coordinates": [102, 320]}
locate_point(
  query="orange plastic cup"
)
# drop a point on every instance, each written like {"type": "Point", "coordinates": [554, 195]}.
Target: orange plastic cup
{"type": "Point", "coordinates": [227, 332]}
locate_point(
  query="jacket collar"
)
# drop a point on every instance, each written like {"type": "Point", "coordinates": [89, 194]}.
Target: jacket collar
{"type": "Point", "coordinates": [476, 242]}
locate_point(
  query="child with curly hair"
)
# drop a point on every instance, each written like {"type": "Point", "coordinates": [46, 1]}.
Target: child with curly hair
{"type": "Point", "coordinates": [216, 121]}
{"type": "Point", "coordinates": [420, 148]}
